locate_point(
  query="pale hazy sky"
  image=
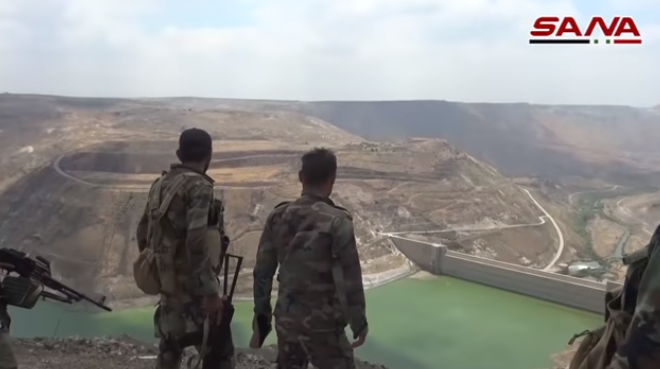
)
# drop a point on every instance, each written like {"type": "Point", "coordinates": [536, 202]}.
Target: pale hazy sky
{"type": "Point", "coordinates": [465, 50]}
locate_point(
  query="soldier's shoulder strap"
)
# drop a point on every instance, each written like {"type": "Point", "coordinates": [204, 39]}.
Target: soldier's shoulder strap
{"type": "Point", "coordinates": [159, 205]}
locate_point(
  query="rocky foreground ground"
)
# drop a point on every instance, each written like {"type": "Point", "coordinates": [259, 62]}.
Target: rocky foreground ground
{"type": "Point", "coordinates": [115, 353]}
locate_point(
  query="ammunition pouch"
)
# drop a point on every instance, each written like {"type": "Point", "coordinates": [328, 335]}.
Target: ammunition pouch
{"type": "Point", "coordinates": [145, 273]}
{"type": "Point", "coordinates": [21, 292]}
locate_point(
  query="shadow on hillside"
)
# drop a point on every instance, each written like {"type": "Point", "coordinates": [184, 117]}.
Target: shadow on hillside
{"type": "Point", "coordinates": [155, 162]}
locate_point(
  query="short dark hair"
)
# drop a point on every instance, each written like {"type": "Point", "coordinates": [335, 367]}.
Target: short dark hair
{"type": "Point", "coordinates": [318, 165]}
{"type": "Point", "coordinates": [195, 145]}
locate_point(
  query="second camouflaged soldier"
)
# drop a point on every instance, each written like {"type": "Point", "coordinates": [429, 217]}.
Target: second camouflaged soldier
{"type": "Point", "coordinates": [640, 348]}
{"type": "Point", "coordinates": [320, 279]}
{"type": "Point", "coordinates": [174, 226]}
{"type": "Point", "coordinates": [630, 337]}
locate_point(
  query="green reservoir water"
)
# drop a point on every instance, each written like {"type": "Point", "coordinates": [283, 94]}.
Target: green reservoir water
{"type": "Point", "coordinates": [414, 324]}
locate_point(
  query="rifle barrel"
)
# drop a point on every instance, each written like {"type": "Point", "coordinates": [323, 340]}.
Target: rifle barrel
{"type": "Point", "coordinates": [97, 303]}
{"type": "Point", "coordinates": [56, 297]}
{"type": "Point", "coordinates": [71, 293]}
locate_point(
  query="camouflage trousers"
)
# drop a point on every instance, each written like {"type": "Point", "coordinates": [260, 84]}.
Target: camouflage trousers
{"type": "Point", "coordinates": [173, 319]}
{"type": "Point", "coordinates": [324, 350]}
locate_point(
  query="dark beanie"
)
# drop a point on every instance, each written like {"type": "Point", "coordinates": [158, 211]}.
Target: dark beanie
{"type": "Point", "coordinates": [194, 145]}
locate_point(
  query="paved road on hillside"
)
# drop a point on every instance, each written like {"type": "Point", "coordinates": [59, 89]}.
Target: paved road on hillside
{"type": "Point", "coordinates": [542, 220]}
{"type": "Point", "coordinates": [560, 247]}
{"type": "Point", "coordinates": [469, 229]}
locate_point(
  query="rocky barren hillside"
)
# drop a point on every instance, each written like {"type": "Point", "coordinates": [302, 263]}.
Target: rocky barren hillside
{"type": "Point", "coordinates": [85, 165]}
{"type": "Point", "coordinates": [616, 143]}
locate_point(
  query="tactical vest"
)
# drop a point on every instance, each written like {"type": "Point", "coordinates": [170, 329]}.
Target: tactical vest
{"type": "Point", "coordinates": [598, 347]}
{"type": "Point", "coordinates": [154, 270]}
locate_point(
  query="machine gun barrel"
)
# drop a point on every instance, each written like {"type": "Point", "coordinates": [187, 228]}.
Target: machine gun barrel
{"type": "Point", "coordinates": [71, 293]}
{"type": "Point", "coordinates": [53, 296]}
{"type": "Point", "coordinates": [37, 271]}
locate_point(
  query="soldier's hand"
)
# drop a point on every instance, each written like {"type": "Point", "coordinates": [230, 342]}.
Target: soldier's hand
{"type": "Point", "coordinates": [261, 327]}
{"type": "Point", "coordinates": [361, 338]}
{"type": "Point", "coordinates": [255, 339]}
{"type": "Point", "coordinates": [212, 305]}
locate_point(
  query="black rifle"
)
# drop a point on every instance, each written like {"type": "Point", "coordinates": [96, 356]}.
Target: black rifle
{"type": "Point", "coordinates": [217, 218]}
{"type": "Point", "coordinates": [218, 334]}
{"type": "Point", "coordinates": [31, 279]}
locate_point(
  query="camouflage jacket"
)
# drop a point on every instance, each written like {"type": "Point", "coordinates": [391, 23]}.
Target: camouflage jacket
{"type": "Point", "coordinates": [302, 237]}
{"type": "Point", "coordinates": [188, 217]}
{"type": "Point", "coordinates": [641, 346]}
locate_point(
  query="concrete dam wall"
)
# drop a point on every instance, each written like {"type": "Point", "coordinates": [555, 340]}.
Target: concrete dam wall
{"type": "Point", "coordinates": [561, 289]}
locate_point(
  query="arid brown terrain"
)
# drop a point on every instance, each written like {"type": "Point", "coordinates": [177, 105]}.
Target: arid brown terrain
{"type": "Point", "coordinates": [80, 168]}
{"type": "Point", "coordinates": [76, 171]}
{"type": "Point", "coordinates": [612, 143]}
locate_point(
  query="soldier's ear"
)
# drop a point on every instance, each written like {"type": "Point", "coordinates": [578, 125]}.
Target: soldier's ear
{"type": "Point", "coordinates": [178, 154]}
{"type": "Point", "coordinates": [300, 176]}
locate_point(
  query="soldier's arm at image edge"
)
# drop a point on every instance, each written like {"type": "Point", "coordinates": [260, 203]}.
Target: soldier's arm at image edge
{"type": "Point", "coordinates": [641, 348]}
{"type": "Point", "coordinates": [263, 272]}
{"type": "Point", "coordinates": [141, 232]}
{"type": "Point", "coordinates": [198, 204]}
{"type": "Point", "coordinates": [344, 237]}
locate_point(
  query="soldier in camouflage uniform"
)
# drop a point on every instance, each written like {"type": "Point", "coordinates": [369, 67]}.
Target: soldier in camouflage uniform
{"type": "Point", "coordinates": [320, 280]}
{"type": "Point", "coordinates": [641, 345]}
{"type": "Point", "coordinates": [188, 216]}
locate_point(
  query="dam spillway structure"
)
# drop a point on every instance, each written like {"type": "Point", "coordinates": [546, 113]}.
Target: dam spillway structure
{"type": "Point", "coordinates": [583, 294]}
